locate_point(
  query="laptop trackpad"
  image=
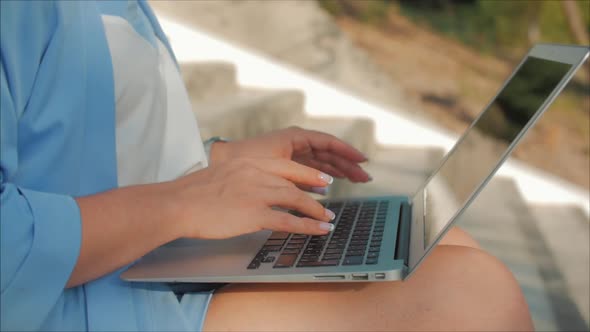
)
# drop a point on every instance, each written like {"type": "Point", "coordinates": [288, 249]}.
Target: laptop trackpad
{"type": "Point", "coordinates": [186, 258]}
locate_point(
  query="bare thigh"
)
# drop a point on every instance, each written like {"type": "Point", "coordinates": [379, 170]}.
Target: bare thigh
{"type": "Point", "coordinates": [457, 288]}
{"type": "Point", "coordinates": [458, 237]}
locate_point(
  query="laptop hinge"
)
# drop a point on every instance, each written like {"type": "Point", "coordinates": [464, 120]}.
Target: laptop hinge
{"type": "Point", "coordinates": [402, 243]}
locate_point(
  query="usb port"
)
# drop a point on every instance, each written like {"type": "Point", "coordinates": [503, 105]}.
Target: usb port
{"type": "Point", "coordinates": [379, 275]}
{"type": "Point", "coordinates": [360, 276]}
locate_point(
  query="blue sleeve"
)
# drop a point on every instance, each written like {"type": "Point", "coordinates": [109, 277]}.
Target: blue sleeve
{"type": "Point", "coordinates": [40, 233]}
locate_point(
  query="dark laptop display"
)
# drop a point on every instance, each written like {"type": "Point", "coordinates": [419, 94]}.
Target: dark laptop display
{"type": "Point", "coordinates": [476, 156]}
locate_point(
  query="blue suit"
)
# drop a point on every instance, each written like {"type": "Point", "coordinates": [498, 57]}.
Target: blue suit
{"type": "Point", "coordinates": [57, 142]}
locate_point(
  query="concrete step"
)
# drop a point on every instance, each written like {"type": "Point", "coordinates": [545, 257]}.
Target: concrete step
{"type": "Point", "coordinates": [395, 171]}
{"type": "Point", "coordinates": [209, 80]}
{"type": "Point", "coordinates": [360, 133]}
{"type": "Point", "coordinates": [501, 221]}
{"type": "Point", "coordinates": [249, 112]}
{"type": "Point", "coordinates": [566, 233]}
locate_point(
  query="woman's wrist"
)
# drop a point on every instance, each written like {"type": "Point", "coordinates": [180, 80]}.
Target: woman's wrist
{"type": "Point", "coordinates": [218, 152]}
{"type": "Point", "coordinates": [168, 195]}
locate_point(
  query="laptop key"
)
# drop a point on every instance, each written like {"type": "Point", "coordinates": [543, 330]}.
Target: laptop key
{"type": "Point", "coordinates": [354, 260]}
{"type": "Point", "coordinates": [271, 248]}
{"type": "Point", "coordinates": [268, 259]}
{"type": "Point", "coordinates": [279, 236]}
{"type": "Point", "coordinates": [373, 255]}
{"type": "Point", "coordinates": [285, 260]}
{"type": "Point", "coordinates": [309, 259]}
{"type": "Point", "coordinates": [310, 255]}
{"type": "Point", "coordinates": [332, 256]}
{"type": "Point", "coordinates": [294, 246]}
{"type": "Point", "coordinates": [254, 265]}
{"type": "Point", "coordinates": [274, 242]}
{"type": "Point", "coordinates": [360, 253]}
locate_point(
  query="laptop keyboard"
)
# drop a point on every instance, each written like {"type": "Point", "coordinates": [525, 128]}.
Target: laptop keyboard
{"type": "Point", "coordinates": [356, 239]}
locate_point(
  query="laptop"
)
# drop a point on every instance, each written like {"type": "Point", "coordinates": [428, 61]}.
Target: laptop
{"type": "Point", "coordinates": [380, 238]}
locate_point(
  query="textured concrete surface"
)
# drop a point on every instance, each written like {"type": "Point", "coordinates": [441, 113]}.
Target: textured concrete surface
{"type": "Point", "coordinates": [208, 80]}
{"type": "Point", "coordinates": [298, 33]}
{"type": "Point", "coordinates": [360, 133]}
{"type": "Point", "coordinates": [249, 112]}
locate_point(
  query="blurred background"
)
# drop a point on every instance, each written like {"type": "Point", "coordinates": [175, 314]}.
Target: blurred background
{"type": "Point", "coordinates": [401, 80]}
{"type": "Point", "coordinates": [476, 44]}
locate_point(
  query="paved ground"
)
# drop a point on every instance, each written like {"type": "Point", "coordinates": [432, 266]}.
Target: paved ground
{"type": "Point", "coordinates": [315, 43]}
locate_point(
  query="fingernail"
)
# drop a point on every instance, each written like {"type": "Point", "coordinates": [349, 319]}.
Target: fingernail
{"type": "Point", "coordinates": [326, 178]}
{"type": "Point", "coordinates": [319, 190]}
{"type": "Point", "coordinates": [330, 214]}
{"type": "Point", "coordinates": [365, 156]}
{"type": "Point", "coordinates": [326, 226]}
{"type": "Point", "coordinates": [370, 178]}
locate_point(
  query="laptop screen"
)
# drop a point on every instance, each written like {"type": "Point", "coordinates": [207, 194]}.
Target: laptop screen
{"type": "Point", "coordinates": [480, 150]}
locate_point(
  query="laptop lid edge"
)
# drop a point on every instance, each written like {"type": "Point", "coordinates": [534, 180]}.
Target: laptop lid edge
{"type": "Point", "coordinates": [418, 251]}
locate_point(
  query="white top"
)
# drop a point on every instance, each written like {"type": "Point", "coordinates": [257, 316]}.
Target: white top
{"type": "Point", "coordinates": [157, 137]}
{"type": "Point", "coordinates": [156, 132]}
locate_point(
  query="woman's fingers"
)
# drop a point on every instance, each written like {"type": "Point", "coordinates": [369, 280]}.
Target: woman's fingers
{"type": "Point", "coordinates": [324, 167]}
{"type": "Point", "coordinates": [315, 190]}
{"type": "Point", "coordinates": [292, 198]}
{"type": "Point", "coordinates": [325, 142]}
{"type": "Point", "coordinates": [352, 171]}
{"type": "Point", "coordinates": [294, 172]}
{"type": "Point", "coordinates": [274, 190]}
{"type": "Point", "coordinates": [330, 155]}
{"type": "Point", "coordinates": [286, 222]}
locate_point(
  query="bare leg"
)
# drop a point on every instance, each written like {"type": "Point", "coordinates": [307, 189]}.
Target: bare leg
{"type": "Point", "coordinates": [458, 237]}
{"type": "Point", "coordinates": [457, 288]}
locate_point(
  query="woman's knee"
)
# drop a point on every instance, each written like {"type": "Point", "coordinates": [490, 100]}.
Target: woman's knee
{"type": "Point", "coordinates": [458, 237]}
{"type": "Point", "coordinates": [472, 289]}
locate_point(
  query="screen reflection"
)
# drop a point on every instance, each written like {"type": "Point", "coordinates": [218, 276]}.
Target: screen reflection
{"type": "Point", "coordinates": [479, 152]}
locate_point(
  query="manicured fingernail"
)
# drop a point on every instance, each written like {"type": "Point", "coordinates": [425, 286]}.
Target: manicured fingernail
{"type": "Point", "coordinates": [326, 226]}
{"type": "Point", "coordinates": [326, 178]}
{"type": "Point", "coordinates": [320, 190]}
{"type": "Point", "coordinates": [330, 214]}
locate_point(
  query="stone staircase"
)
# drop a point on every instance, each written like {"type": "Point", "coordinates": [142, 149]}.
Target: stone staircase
{"type": "Point", "coordinates": [546, 247]}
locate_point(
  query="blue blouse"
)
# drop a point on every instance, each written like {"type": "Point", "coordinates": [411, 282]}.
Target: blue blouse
{"type": "Point", "coordinates": [57, 141]}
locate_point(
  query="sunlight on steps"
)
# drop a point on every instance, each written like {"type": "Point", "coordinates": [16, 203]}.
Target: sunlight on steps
{"type": "Point", "coordinates": [392, 128]}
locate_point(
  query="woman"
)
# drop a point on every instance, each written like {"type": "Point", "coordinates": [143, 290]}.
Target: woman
{"type": "Point", "coordinates": [101, 162]}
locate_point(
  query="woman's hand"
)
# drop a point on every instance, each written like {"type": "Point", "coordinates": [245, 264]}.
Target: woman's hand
{"type": "Point", "coordinates": [237, 197]}
{"type": "Point", "coordinates": [311, 148]}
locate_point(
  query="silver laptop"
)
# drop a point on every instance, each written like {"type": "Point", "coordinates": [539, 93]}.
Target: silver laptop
{"type": "Point", "coordinates": [380, 238]}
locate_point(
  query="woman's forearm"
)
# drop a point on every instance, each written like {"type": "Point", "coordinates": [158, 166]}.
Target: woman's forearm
{"type": "Point", "coordinates": [120, 226]}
